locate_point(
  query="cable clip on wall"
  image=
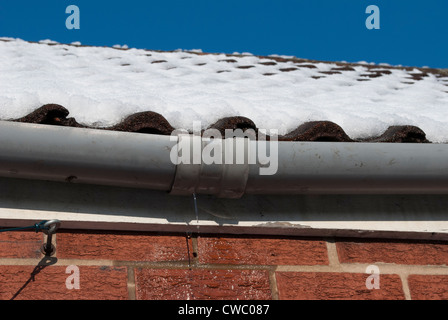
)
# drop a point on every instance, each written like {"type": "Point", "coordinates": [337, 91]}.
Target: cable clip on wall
{"type": "Point", "coordinates": [48, 227]}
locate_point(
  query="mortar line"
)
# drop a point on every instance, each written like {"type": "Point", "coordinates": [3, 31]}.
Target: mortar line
{"type": "Point", "coordinates": [131, 284]}
{"type": "Point", "coordinates": [44, 240]}
{"type": "Point", "coordinates": [332, 252]}
{"type": "Point", "coordinates": [405, 285]}
{"type": "Point", "coordinates": [54, 241]}
{"type": "Point", "coordinates": [273, 284]}
{"type": "Point", "coordinates": [386, 268]}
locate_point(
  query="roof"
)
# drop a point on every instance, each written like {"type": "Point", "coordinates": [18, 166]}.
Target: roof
{"type": "Point", "coordinates": [151, 91]}
{"type": "Point", "coordinates": [154, 92]}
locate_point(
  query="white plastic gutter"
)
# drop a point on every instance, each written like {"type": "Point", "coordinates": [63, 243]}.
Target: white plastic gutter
{"type": "Point", "coordinates": [92, 156]}
{"type": "Point", "coordinates": [47, 152]}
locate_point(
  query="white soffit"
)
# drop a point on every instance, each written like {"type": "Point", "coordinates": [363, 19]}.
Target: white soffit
{"type": "Point", "coordinates": [125, 209]}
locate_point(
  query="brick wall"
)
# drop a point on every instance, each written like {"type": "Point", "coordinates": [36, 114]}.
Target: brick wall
{"type": "Point", "coordinates": [126, 265]}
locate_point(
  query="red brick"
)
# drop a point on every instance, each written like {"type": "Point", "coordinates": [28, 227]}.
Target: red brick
{"type": "Point", "coordinates": [123, 246]}
{"type": "Point", "coordinates": [262, 251]}
{"type": "Point", "coordinates": [428, 287]}
{"type": "Point", "coordinates": [201, 284]}
{"type": "Point", "coordinates": [336, 286]}
{"type": "Point", "coordinates": [20, 244]}
{"type": "Point", "coordinates": [48, 283]}
{"type": "Point", "coordinates": [415, 253]}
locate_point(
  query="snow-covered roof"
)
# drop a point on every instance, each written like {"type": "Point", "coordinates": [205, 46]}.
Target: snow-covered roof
{"type": "Point", "coordinates": [101, 86]}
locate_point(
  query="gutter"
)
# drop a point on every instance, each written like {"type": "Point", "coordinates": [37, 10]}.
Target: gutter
{"type": "Point", "coordinates": [92, 156]}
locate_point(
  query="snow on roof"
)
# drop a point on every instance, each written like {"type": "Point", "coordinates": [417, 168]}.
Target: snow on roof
{"type": "Point", "coordinates": [100, 86]}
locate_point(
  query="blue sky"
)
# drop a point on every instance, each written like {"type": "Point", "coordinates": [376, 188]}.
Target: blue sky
{"type": "Point", "coordinates": [412, 33]}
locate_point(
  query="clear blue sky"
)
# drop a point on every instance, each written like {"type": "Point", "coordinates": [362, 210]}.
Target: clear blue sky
{"type": "Point", "coordinates": [413, 33]}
